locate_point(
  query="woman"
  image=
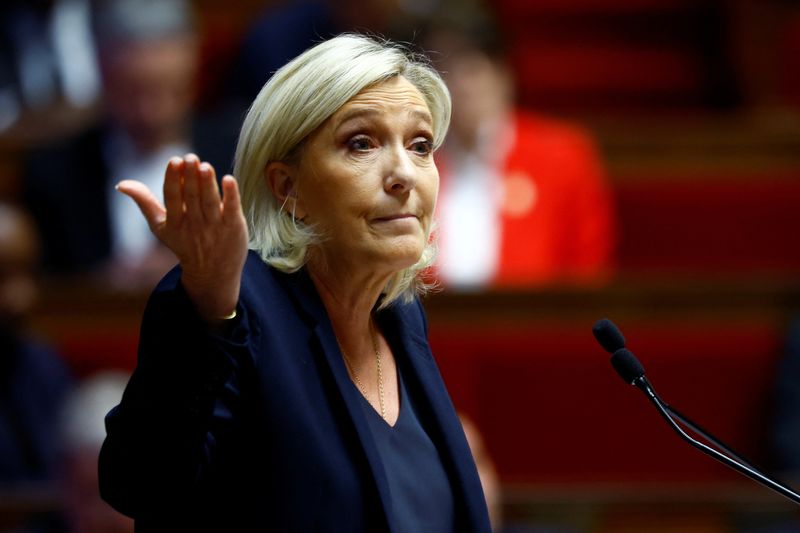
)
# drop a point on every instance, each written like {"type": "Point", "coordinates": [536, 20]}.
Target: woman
{"type": "Point", "coordinates": [291, 388]}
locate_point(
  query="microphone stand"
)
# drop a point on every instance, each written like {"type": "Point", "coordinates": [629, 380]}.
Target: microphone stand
{"type": "Point", "coordinates": [696, 428]}
{"type": "Point", "coordinates": [735, 462]}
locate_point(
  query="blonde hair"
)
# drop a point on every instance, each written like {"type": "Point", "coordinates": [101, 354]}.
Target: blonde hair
{"type": "Point", "coordinates": [296, 101]}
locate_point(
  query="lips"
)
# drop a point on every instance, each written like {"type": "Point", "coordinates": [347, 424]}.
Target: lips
{"type": "Point", "coordinates": [399, 216]}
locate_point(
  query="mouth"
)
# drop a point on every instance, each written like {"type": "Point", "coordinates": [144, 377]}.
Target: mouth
{"type": "Point", "coordinates": [399, 216]}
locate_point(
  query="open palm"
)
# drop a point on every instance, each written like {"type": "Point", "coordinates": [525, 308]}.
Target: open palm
{"type": "Point", "coordinates": [206, 231]}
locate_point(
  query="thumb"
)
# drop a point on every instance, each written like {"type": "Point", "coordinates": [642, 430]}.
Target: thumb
{"type": "Point", "coordinates": [148, 204]}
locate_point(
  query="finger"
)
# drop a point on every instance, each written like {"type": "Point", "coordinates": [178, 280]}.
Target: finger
{"type": "Point", "coordinates": [172, 191]}
{"type": "Point", "coordinates": [209, 193]}
{"type": "Point", "coordinates": [191, 189]}
{"type": "Point", "coordinates": [148, 204]}
{"type": "Point", "coordinates": [231, 201]}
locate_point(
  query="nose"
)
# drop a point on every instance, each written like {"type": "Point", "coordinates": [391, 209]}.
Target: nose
{"type": "Point", "coordinates": [401, 172]}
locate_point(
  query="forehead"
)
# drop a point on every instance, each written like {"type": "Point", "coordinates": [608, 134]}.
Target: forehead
{"type": "Point", "coordinates": [394, 96]}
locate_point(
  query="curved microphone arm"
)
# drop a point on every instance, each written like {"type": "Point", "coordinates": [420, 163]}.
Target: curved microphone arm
{"type": "Point", "coordinates": [696, 428]}
{"type": "Point", "coordinates": [740, 466]}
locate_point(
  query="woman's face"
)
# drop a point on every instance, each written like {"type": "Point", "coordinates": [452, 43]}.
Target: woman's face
{"type": "Point", "coordinates": [367, 181]}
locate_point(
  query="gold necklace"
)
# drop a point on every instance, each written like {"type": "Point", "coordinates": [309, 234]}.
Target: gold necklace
{"type": "Point", "coordinates": [353, 373]}
{"type": "Point", "coordinates": [380, 375]}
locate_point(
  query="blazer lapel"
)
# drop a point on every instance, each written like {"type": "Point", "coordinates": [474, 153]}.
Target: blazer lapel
{"type": "Point", "coordinates": [307, 298]}
{"type": "Point", "coordinates": [421, 372]}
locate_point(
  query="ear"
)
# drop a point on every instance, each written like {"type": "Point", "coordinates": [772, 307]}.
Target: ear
{"type": "Point", "coordinates": [280, 178]}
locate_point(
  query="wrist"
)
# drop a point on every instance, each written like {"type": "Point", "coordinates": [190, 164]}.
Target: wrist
{"type": "Point", "coordinates": [214, 302]}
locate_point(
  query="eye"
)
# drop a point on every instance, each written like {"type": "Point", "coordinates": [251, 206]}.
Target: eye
{"type": "Point", "coordinates": [359, 143]}
{"type": "Point", "coordinates": [422, 146]}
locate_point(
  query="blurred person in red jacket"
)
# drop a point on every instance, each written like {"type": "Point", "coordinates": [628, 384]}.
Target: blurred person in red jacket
{"type": "Point", "coordinates": [524, 199]}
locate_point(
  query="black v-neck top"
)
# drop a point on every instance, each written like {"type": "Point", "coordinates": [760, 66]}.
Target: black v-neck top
{"type": "Point", "coordinates": [421, 495]}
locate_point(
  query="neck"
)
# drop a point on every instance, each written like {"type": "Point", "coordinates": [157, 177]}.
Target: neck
{"type": "Point", "coordinates": [349, 292]}
{"type": "Point", "coordinates": [349, 295]}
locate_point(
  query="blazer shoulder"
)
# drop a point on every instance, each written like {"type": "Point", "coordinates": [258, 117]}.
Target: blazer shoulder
{"type": "Point", "coordinates": [411, 315]}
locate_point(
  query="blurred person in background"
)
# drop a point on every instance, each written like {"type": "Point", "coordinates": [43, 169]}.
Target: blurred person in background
{"type": "Point", "coordinates": [524, 199]}
{"type": "Point", "coordinates": [47, 57]}
{"type": "Point", "coordinates": [33, 379]}
{"type": "Point", "coordinates": [148, 57]}
{"type": "Point", "coordinates": [286, 29]}
{"type": "Point", "coordinates": [82, 434]}
{"type": "Point", "coordinates": [783, 431]}
{"type": "Point", "coordinates": [490, 482]}
{"type": "Point", "coordinates": [486, 471]}
{"type": "Point", "coordinates": [785, 428]}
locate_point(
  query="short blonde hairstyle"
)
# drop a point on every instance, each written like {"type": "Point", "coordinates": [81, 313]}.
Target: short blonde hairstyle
{"type": "Point", "coordinates": [296, 101]}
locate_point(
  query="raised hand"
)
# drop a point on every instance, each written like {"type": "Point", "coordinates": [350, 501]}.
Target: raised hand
{"type": "Point", "coordinates": [207, 233]}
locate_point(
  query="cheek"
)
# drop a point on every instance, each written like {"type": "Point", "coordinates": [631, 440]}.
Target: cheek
{"type": "Point", "coordinates": [333, 194]}
{"type": "Point", "coordinates": [429, 188]}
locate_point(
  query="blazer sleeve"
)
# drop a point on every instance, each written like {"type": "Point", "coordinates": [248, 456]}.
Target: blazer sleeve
{"type": "Point", "coordinates": [180, 404]}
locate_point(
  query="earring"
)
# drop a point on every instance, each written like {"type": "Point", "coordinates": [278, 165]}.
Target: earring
{"type": "Point", "coordinates": [294, 217]}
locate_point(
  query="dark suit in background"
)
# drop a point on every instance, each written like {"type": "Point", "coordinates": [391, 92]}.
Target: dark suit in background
{"type": "Point", "coordinates": [66, 187]}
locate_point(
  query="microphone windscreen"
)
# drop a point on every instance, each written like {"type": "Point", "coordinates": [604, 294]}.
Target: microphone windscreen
{"type": "Point", "coordinates": [608, 335]}
{"type": "Point", "coordinates": [627, 366]}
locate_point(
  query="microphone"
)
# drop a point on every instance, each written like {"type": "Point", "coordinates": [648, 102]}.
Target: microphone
{"type": "Point", "coordinates": [627, 366]}
{"type": "Point", "coordinates": [632, 372]}
{"type": "Point", "coordinates": [608, 335]}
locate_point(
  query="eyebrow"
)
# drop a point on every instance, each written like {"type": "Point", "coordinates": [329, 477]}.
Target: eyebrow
{"type": "Point", "coordinates": [367, 111]}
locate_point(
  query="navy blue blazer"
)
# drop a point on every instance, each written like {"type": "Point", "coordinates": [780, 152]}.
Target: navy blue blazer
{"type": "Point", "coordinates": [259, 428]}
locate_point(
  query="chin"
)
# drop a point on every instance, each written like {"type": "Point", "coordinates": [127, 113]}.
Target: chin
{"type": "Point", "coordinates": [402, 255]}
